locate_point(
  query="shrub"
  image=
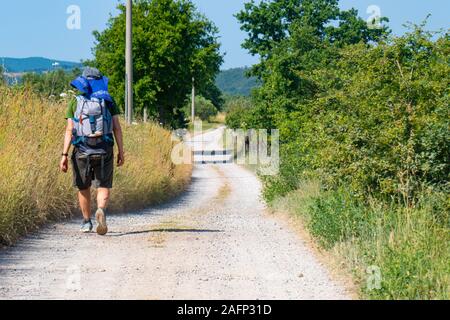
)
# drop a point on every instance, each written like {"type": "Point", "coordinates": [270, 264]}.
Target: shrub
{"type": "Point", "coordinates": [204, 109]}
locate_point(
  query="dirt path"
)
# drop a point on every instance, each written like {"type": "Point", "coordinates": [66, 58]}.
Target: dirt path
{"type": "Point", "coordinates": [214, 242]}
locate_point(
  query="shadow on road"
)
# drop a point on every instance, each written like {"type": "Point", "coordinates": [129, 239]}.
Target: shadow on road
{"type": "Point", "coordinates": [121, 234]}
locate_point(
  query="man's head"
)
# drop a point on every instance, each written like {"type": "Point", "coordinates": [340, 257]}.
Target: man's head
{"type": "Point", "coordinates": [92, 73]}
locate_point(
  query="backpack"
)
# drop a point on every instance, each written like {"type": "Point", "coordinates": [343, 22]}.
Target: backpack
{"type": "Point", "coordinates": [93, 130]}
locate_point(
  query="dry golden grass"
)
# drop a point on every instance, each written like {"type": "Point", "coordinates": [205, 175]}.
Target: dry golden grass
{"type": "Point", "coordinates": [219, 118]}
{"type": "Point", "coordinates": [33, 190]}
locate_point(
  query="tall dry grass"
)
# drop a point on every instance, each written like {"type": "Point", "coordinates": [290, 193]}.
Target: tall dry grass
{"type": "Point", "coordinates": [33, 190]}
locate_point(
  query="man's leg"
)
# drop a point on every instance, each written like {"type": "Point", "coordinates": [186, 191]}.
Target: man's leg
{"type": "Point", "coordinates": [84, 197]}
{"type": "Point", "coordinates": [100, 215]}
{"type": "Point", "coordinates": [103, 182]}
{"type": "Point", "coordinates": [103, 197]}
{"type": "Point", "coordinates": [83, 183]}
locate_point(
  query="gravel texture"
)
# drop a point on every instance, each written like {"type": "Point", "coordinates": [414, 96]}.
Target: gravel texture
{"type": "Point", "coordinates": [214, 242]}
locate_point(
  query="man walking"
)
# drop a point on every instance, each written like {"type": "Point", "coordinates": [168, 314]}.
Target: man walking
{"type": "Point", "coordinates": [92, 126]}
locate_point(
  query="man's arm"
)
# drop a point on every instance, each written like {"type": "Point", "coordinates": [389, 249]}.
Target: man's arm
{"type": "Point", "coordinates": [67, 141]}
{"type": "Point", "coordinates": [119, 140]}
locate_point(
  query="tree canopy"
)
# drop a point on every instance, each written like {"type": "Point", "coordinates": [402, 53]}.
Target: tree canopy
{"type": "Point", "coordinates": [269, 22]}
{"type": "Point", "coordinates": [172, 43]}
{"type": "Point", "coordinates": [354, 106]}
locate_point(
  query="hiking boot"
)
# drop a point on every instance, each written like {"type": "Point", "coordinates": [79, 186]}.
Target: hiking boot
{"type": "Point", "coordinates": [100, 216]}
{"type": "Point", "coordinates": [86, 226]}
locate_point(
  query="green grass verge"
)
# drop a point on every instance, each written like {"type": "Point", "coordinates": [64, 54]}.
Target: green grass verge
{"type": "Point", "coordinates": [408, 248]}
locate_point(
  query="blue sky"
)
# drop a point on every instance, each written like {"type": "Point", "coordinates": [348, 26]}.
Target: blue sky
{"type": "Point", "coordinates": [38, 28]}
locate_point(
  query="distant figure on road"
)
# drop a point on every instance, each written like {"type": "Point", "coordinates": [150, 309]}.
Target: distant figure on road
{"type": "Point", "coordinates": [92, 125]}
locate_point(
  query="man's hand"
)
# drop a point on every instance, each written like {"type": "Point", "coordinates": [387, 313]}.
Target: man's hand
{"type": "Point", "coordinates": [120, 159]}
{"type": "Point", "coordinates": [64, 164]}
{"type": "Point", "coordinates": [119, 139]}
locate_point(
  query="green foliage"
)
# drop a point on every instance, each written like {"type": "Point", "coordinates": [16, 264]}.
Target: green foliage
{"type": "Point", "coordinates": [212, 93]}
{"type": "Point", "coordinates": [238, 111]}
{"type": "Point", "coordinates": [367, 116]}
{"type": "Point", "coordinates": [336, 217]}
{"type": "Point", "coordinates": [52, 83]}
{"type": "Point", "coordinates": [235, 82]}
{"type": "Point", "coordinates": [172, 43]}
{"type": "Point", "coordinates": [270, 23]}
{"type": "Point", "coordinates": [204, 108]}
{"type": "Point", "coordinates": [409, 246]}
{"type": "Point", "coordinates": [374, 118]}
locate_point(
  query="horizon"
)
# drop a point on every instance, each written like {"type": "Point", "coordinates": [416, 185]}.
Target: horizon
{"type": "Point", "coordinates": [81, 63]}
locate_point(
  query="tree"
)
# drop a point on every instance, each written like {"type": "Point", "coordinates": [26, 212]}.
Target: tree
{"type": "Point", "coordinates": [269, 23]}
{"type": "Point", "coordinates": [300, 43]}
{"type": "Point", "coordinates": [172, 43]}
{"type": "Point", "coordinates": [294, 38]}
{"type": "Point", "coordinates": [212, 93]}
{"type": "Point", "coordinates": [205, 109]}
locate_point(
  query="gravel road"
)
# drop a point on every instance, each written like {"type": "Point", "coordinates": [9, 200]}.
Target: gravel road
{"type": "Point", "coordinates": [214, 242]}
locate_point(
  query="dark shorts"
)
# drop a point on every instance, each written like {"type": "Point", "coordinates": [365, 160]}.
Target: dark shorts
{"type": "Point", "coordinates": [83, 181]}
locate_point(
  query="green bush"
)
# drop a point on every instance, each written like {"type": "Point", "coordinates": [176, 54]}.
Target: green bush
{"type": "Point", "coordinates": [204, 108]}
{"type": "Point", "coordinates": [378, 124]}
{"type": "Point", "coordinates": [237, 111]}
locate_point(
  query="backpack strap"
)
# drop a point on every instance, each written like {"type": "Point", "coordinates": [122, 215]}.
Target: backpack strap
{"type": "Point", "coordinates": [83, 100]}
{"type": "Point", "coordinates": [107, 122]}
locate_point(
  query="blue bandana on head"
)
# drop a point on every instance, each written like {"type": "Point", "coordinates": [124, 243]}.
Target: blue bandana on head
{"type": "Point", "coordinates": [93, 87]}
{"type": "Point", "coordinates": [100, 88]}
{"type": "Point", "coordinates": [82, 85]}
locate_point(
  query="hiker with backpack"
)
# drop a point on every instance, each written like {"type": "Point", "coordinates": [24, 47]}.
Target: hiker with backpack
{"type": "Point", "coordinates": [92, 127]}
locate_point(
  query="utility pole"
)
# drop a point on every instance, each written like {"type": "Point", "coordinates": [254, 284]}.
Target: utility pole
{"type": "Point", "coordinates": [129, 63]}
{"type": "Point", "coordinates": [193, 101]}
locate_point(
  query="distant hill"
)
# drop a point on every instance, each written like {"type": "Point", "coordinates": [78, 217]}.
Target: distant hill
{"type": "Point", "coordinates": [35, 64]}
{"type": "Point", "coordinates": [234, 82]}
{"type": "Point", "coordinates": [231, 82]}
